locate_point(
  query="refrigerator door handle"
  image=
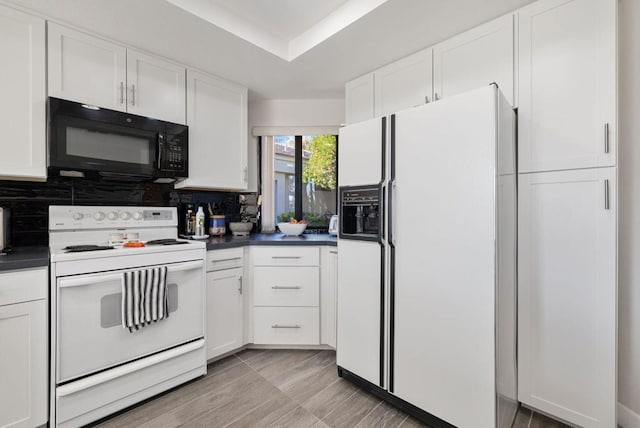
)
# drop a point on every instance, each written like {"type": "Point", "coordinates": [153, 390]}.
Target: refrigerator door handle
{"type": "Point", "coordinates": [391, 226]}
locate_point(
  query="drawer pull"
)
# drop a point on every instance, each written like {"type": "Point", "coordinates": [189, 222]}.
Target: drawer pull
{"type": "Point", "coordinates": [278, 287]}
{"type": "Point", "coordinates": [333, 252]}
{"type": "Point", "coordinates": [285, 326]}
{"type": "Point", "coordinates": [226, 260]}
{"type": "Point", "coordinates": [286, 257]}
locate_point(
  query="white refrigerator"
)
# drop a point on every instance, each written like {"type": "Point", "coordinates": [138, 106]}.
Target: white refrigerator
{"type": "Point", "coordinates": [427, 309]}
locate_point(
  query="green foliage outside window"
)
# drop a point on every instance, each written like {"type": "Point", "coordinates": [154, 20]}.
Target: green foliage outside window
{"type": "Point", "coordinates": [321, 166]}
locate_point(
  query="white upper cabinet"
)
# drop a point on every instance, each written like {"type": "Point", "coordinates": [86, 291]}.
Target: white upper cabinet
{"type": "Point", "coordinates": [567, 98]}
{"type": "Point", "coordinates": [217, 120]}
{"type": "Point", "coordinates": [567, 294]}
{"type": "Point", "coordinates": [23, 106]}
{"type": "Point", "coordinates": [359, 102]}
{"type": "Point", "coordinates": [404, 83]}
{"type": "Point", "coordinates": [86, 69]}
{"type": "Point", "coordinates": [156, 87]}
{"type": "Point", "coordinates": [476, 58]}
{"type": "Point", "coordinates": [91, 70]}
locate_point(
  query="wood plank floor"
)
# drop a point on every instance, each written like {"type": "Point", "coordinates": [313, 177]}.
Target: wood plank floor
{"type": "Point", "coordinates": [277, 388]}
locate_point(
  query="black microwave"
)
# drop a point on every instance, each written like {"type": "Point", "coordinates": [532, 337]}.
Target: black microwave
{"type": "Point", "coordinates": [90, 141]}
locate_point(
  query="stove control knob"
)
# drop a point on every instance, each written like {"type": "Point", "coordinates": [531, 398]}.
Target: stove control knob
{"type": "Point", "coordinates": [77, 216]}
{"type": "Point", "coordinates": [137, 215]}
{"type": "Point", "coordinates": [99, 216]}
{"type": "Point", "coordinates": [113, 215]}
{"type": "Point", "coordinates": [125, 215]}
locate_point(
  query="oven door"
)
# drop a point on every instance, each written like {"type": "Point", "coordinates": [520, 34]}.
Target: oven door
{"type": "Point", "coordinates": [90, 336]}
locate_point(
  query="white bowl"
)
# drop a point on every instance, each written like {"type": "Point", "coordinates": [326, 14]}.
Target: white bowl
{"type": "Point", "coordinates": [291, 229]}
{"type": "Point", "coordinates": [240, 229]}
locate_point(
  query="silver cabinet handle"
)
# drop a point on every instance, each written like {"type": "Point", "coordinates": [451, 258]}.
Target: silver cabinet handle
{"type": "Point", "coordinates": [245, 174]}
{"type": "Point", "coordinates": [606, 138]}
{"type": "Point", "coordinates": [240, 284]}
{"type": "Point", "coordinates": [426, 99]}
{"type": "Point", "coordinates": [436, 97]}
{"type": "Point", "coordinates": [226, 260]}
{"type": "Point", "coordinates": [285, 326]}
{"type": "Point", "coordinates": [333, 252]}
{"type": "Point", "coordinates": [121, 92]}
{"type": "Point", "coordinates": [286, 257]}
{"type": "Point", "coordinates": [606, 194]}
{"type": "Point", "coordinates": [279, 287]}
{"type": "Point", "coordinates": [133, 95]}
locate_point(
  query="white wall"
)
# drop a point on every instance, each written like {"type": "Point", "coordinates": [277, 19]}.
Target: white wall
{"type": "Point", "coordinates": [629, 226]}
{"type": "Point", "coordinates": [298, 112]}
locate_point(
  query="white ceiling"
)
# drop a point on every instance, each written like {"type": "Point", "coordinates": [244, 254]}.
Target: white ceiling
{"type": "Point", "coordinates": [391, 31]}
{"type": "Point", "coordinates": [286, 28]}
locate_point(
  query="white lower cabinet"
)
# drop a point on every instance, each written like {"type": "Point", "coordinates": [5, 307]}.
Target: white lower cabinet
{"type": "Point", "coordinates": [286, 326]}
{"type": "Point", "coordinates": [329, 296]}
{"type": "Point", "coordinates": [567, 294]}
{"type": "Point", "coordinates": [286, 286]}
{"type": "Point", "coordinates": [286, 295]}
{"type": "Point", "coordinates": [23, 348]}
{"type": "Point", "coordinates": [225, 302]}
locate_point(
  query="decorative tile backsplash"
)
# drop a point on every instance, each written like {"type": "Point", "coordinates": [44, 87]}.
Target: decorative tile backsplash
{"type": "Point", "coordinates": [29, 202]}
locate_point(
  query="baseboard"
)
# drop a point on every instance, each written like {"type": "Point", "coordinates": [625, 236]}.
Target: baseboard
{"type": "Point", "coordinates": [627, 418]}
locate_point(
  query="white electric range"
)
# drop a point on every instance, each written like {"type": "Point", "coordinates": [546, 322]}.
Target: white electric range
{"type": "Point", "coordinates": [98, 366]}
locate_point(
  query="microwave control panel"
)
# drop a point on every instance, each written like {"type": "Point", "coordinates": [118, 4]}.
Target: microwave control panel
{"type": "Point", "coordinates": [173, 156]}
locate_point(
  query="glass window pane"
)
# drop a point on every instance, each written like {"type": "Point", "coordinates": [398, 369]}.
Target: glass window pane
{"type": "Point", "coordinates": [284, 177]}
{"type": "Point", "coordinates": [319, 179]}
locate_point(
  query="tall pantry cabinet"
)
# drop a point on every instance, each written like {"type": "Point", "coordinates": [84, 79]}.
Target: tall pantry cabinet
{"type": "Point", "coordinates": [567, 273]}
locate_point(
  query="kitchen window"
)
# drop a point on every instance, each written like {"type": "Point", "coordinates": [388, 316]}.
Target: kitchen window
{"type": "Point", "coordinates": [299, 179]}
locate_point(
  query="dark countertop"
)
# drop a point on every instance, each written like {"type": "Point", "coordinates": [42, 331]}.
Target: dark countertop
{"type": "Point", "coordinates": [230, 241]}
{"type": "Point", "coordinates": [34, 257]}
{"type": "Point", "coordinates": [24, 258]}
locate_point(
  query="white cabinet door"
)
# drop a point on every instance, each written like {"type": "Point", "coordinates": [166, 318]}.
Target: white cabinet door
{"type": "Point", "coordinates": [358, 99]}
{"type": "Point", "coordinates": [217, 119]}
{"type": "Point", "coordinates": [23, 364]}
{"type": "Point", "coordinates": [224, 311]}
{"type": "Point", "coordinates": [476, 58]}
{"type": "Point", "coordinates": [567, 85]}
{"type": "Point", "coordinates": [328, 296]}
{"type": "Point", "coordinates": [23, 106]}
{"type": "Point", "coordinates": [404, 83]}
{"type": "Point", "coordinates": [567, 294]}
{"type": "Point", "coordinates": [86, 69]}
{"type": "Point", "coordinates": [362, 152]}
{"type": "Point", "coordinates": [156, 87]}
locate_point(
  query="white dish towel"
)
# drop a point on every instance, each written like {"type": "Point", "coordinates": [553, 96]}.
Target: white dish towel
{"type": "Point", "coordinates": [144, 297]}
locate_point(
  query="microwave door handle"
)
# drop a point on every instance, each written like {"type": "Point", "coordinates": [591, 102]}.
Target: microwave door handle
{"type": "Point", "coordinates": [159, 156]}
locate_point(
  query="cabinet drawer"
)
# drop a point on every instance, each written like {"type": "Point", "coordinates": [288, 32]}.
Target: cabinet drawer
{"type": "Point", "coordinates": [286, 256]}
{"type": "Point", "coordinates": [286, 286]}
{"type": "Point", "coordinates": [286, 326]}
{"type": "Point", "coordinates": [224, 259]}
{"type": "Point", "coordinates": [23, 285]}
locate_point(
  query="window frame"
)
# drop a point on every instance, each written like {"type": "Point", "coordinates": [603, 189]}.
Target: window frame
{"type": "Point", "coordinates": [298, 164]}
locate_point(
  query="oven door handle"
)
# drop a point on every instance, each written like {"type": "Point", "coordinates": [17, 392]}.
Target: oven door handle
{"type": "Point", "coordinates": [88, 280]}
{"type": "Point", "coordinates": [108, 375]}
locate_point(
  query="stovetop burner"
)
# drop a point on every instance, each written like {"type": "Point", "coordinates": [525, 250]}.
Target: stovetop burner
{"type": "Point", "coordinates": [168, 241]}
{"type": "Point", "coordinates": [83, 248]}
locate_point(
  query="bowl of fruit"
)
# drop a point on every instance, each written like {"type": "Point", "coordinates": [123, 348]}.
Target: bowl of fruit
{"type": "Point", "coordinates": [293, 228]}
